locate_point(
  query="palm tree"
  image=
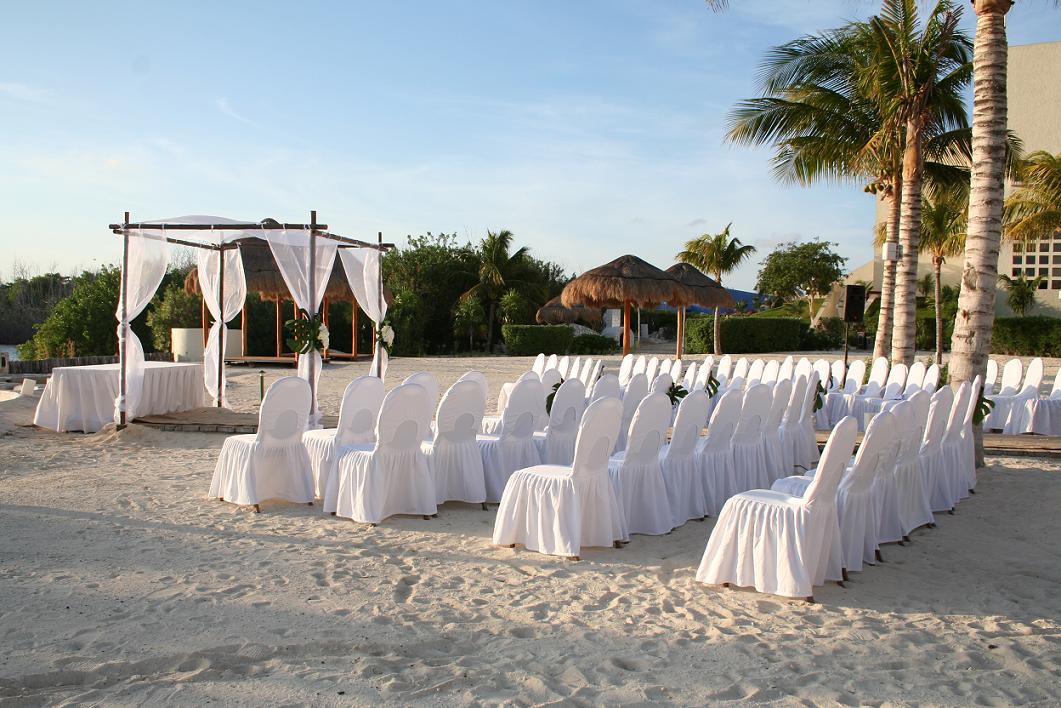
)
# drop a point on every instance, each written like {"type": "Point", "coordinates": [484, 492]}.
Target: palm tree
{"type": "Point", "coordinates": [919, 75]}
{"type": "Point", "coordinates": [498, 271]}
{"type": "Point", "coordinates": [823, 109]}
{"type": "Point", "coordinates": [1033, 211]}
{"type": "Point", "coordinates": [1021, 292]}
{"type": "Point", "coordinates": [943, 235]}
{"type": "Point", "coordinates": [717, 255]}
{"type": "Point", "coordinates": [926, 283]}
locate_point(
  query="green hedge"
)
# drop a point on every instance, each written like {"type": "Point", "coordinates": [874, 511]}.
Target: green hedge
{"type": "Point", "coordinates": [1027, 336]}
{"type": "Point", "coordinates": [593, 344]}
{"type": "Point", "coordinates": [528, 340]}
{"type": "Point", "coordinates": [744, 335]}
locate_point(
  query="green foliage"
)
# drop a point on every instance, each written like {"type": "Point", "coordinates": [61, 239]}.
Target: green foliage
{"type": "Point", "coordinates": [1027, 336]}
{"type": "Point", "coordinates": [800, 270]}
{"type": "Point", "coordinates": [925, 332]}
{"type": "Point", "coordinates": [468, 318]}
{"type": "Point", "coordinates": [829, 334]}
{"type": "Point", "coordinates": [1033, 210]}
{"type": "Point", "coordinates": [83, 323]}
{"type": "Point", "coordinates": [305, 333]}
{"type": "Point", "coordinates": [528, 340]}
{"type": "Point", "coordinates": [716, 254]}
{"type": "Point", "coordinates": [27, 300]}
{"type": "Point", "coordinates": [712, 385]}
{"type": "Point", "coordinates": [656, 319]}
{"type": "Point", "coordinates": [743, 335]}
{"type": "Point", "coordinates": [552, 396]}
{"type": "Point", "coordinates": [1022, 292]}
{"type": "Point", "coordinates": [593, 344]}
{"type": "Point", "coordinates": [983, 407]}
{"type": "Point", "coordinates": [676, 393]}
{"type": "Point", "coordinates": [515, 308]}
{"type": "Point", "coordinates": [173, 308]}
{"type": "Point", "coordinates": [409, 317]}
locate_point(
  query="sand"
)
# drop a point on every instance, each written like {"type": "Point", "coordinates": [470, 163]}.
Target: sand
{"type": "Point", "coordinates": [120, 583]}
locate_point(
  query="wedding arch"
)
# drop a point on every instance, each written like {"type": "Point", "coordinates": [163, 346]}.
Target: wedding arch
{"type": "Point", "coordinates": [304, 253]}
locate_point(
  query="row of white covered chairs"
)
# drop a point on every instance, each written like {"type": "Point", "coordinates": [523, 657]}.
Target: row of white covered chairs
{"type": "Point", "coordinates": [586, 370]}
{"type": "Point", "coordinates": [916, 459]}
{"type": "Point", "coordinates": [1018, 407]}
{"type": "Point", "coordinates": [848, 395]}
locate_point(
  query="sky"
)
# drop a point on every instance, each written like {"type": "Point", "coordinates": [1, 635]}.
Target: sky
{"type": "Point", "coordinates": [590, 129]}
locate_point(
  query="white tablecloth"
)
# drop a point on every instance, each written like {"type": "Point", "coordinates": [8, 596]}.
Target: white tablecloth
{"type": "Point", "coordinates": [82, 397]}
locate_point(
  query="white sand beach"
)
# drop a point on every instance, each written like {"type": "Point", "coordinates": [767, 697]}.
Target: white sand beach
{"type": "Point", "coordinates": [121, 584]}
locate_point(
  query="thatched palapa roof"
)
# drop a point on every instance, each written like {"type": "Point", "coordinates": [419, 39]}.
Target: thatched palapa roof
{"type": "Point", "coordinates": [263, 276]}
{"type": "Point", "coordinates": [708, 292]}
{"type": "Point", "coordinates": [627, 278]}
{"type": "Point", "coordinates": [554, 312]}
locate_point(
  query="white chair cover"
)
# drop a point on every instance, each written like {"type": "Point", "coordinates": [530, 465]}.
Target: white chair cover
{"type": "Point", "coordinates": [863, 405]}
{"type": "Point", "coordinates": [636, 474]}
{"type": "Point", "coordinates": [661, 384]}
{"type": "Point", "coordinates": [803, 367]}
{"type": "Point", "coordinates": [557, 510]}
{"type": "Point", "coordinates": [561, 366]}
{"type": "Point", "coordinates": [931, 380]}
{"type": "Point", "coordinates": [837, 372]}
{"type": "Point", "coordinates": [890, 522]}
{"type": "Point", "coordinates": [878, 375]}
{"type": "Point", "coordinates": [807, 449]}
{"type": "Point", "coordinates": [749, 455]}
{"type": "Point", "coordinates": [427, 381]}
{"type": "Point", "coordinates": [1041, 416]}
{"type": "Point", "coordinates": [513, 447]}
{"type": "Point", "coordinates": [792, 426]}
{"type": "Point", "coordinates": [968, 445]}
{"type": "Point", "coordinates": [931, 454]}
{"type": "Point", "coordinates": [755, 372]}
{"type": "Point", "coordinates": [786, 370]}
{"type": "Point", "coordinates": [952, 483]}
{"type": "Point", "coordinates": [607, 386]}
{"type": "Point", "coordinates": [395, 476]}
{"type": "Point", "coordinates": [539, 364]}
{"type": "Point", "coordinates": [685, 486]}
{"type": "Point", "coordinates": [1004, 405]}
{"type": "Point", "coordinates": [915, 378]}
{"type": "Point", "coordinates": [778, 543]}
{"type": "Point", "coordinates": [456, 465]}
{"type": "Point", "coordinates": [703, 374]}
{"type": "Point", "coordinates": [714, 453]}
{"type": "Point", "coordinates": [640, 366]}
{"type": "Point", "coordinates": [776, 460]}
{"type": "Point", "coordinates": [479, 378]}
{"type": "Point", "coordinates": [821, 366]}
{"type": "Point", "coordinates": [725, 370]}
{"type": "Point", "coordinates": [689, 380]}
{"type": "Point", "coordinates": [556, 444]}
{"type": "Point", "coordinates": [626, 369]}
{"type": "Point", "coordinates": [492, 423]}
{"type": "Point", "coordinates": [574, 369]}
{"type": "Point", "coordinates": [587, 372]}
{"type": "Point", "coordinates": [550, 362]}
{"type": "Point", "coordinates": [357, 426]}
{"type": "Point", "coordinates": [652, 369]}
{"type": "Point", "coordinates": [636, 390]}
{"type": "Point", "coordinates": [676, 370]}
{"type": "Point", "coordinates": [272, 464]}
{"type": "Point", "coordinates": [912, 495]}
{"type": "Point", "coordinates": [991, 378]}
{"type": "Point", "coordinates": [771, 371]}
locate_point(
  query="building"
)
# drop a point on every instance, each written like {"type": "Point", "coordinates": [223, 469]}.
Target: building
{"type": "Point", "coordinates": [1034, 86]}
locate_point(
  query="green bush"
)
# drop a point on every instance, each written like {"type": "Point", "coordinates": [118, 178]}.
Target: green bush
{"type": "Point", "coordinates": [593, 344]}
{"type": "Point", "coordinates": [173, 308]}
{"type": "Point", "coordinates": [528, 340]}
{"type": "Point", "coordinates": [744, 335]}
{"type": "Point", "coordinates": [829, 334]}
{"type": "Point", "coordinates": [925, 333]}
{"type": "Point", "coordinates": [1027, 336]}
{"type": "Point", "coordinates": [655, 319]}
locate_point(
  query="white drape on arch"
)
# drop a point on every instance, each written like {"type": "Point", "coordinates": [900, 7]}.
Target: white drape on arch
{"type": "Point", "coordinates": [145, 268]}
{"type": "Point", "coordinates": [362, 267]}
{"type": "Point", "coordinates": [235, 294]}
{"type": "Point", "coordinates": [291, 250]}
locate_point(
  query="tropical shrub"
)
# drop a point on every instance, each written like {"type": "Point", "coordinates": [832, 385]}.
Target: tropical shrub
{"type": "Point", "coordinates": [593, 344]}
{"type": "Point", "coordinates": [744, 335]}
{"type": "Point", "coordinates": [1027, 336]}
{"type": "Point", "coordinates": [173, 308]}
{"type": "Point", "coordinates": [528, 340]}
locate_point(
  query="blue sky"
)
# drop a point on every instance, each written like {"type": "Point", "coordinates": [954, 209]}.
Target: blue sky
{"type": "Point", "coordinates": [590, 129]}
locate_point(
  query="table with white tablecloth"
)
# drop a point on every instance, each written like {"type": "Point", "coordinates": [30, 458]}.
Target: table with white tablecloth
{"type": "Point", "coordinates": [82, 397]}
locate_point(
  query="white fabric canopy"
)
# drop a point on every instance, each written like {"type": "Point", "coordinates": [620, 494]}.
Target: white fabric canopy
{"type": "Point", "coordinates": [146, 265]}
{"type": "Point", "coordinates": [292, 251]}
{"type": "Point", "coordinates": [235, 293]}
{"type": "Point", "coordinates": [362, 267]}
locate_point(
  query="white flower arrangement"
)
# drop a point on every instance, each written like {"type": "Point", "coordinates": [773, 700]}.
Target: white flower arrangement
{"type": "Point", "coordinates": [324, 337]}
{"type": "Point", "coordinates": [385, 336]}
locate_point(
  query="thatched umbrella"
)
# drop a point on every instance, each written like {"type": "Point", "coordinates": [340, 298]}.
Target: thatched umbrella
{"type": "Point", "coordinates": [626, 280]}
{"type": "Point", "coordinates": [708, 294]}
{"type": "Point", "coordinates": [554, 312]}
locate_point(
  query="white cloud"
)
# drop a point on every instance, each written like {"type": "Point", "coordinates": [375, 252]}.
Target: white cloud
{"type": "Point", "coordinates": [22, 92]}
{"type": "Point", "coordinates": [225, 107]}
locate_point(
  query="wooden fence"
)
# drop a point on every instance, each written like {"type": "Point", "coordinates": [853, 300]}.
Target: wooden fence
{"type": "Point", "coordinates": [45, 366]}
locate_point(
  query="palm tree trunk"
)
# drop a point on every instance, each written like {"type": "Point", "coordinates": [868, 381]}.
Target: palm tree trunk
{"type": "Point", "coordinates": [490, 328]}
{"type": "Point", "coordinates": [937, 262]}
{"type": "Point", "coordinates": [971, 341]}
{"type": "Point", "coordinates": [717, 325]}
{"type": "Point", "coordinates": [905, 326]}
{"type": "Point", "coordinates": [882, 344]}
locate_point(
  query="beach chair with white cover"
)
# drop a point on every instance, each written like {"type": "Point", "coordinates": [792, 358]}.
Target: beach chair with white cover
{"type": "Point", "coordinates": [357, 426]}
{"type": "Point", "coordinates": [755, 372]}
{"type": "Point", "coordinates": [550, 362]}
{"type": "Point", "coordinates": [792, 426]}
{"type": "Point", "coordinates": [931, 453]}
{"type": "Point", "coordinates": [689, 380]}
{"type": "Point", "coordinates": [513, 446]}
{"type": "Point", "coordinates": [787, 369]}
{"type": "Point", "coordinates": [770, 372]}
{"type": "Point", "coordinates": [915, 378]}
{"type": "Point", "coordinates": [556, 444]}
{"type": "Point", "coordinates": [640, 366]}
{"type": "Point", "coordinates": [951, 477]}
{"type": "Point", "coordinates": [1005, 405]}
{"type": "Point", "coordinates": [456, 465]}
{"type": "Point", "coordinates": [749, 454]}
{"type": "Point", "coordinates": [479, 378]}
{"type": "Point", "coordinates": [740, 370]}
{"type": "Point", "coordinates": [931, 380]}
{"type": "Point", "coordinates": [781, 544]}
{"type": "Point", "coordinates": [652, 369]}
{"type": "Point", "coordinates": [803, 367]}
{"type": "Point", "coordinates": [587, 371]}
{"type": "Point", "coordinates": [1008, 388]}
{"type": "Point", "coordinates": [725, 370]}
{"type": "Point", "coordinates": [661, 384]}
{"type": "Point", "coordinates": [561, 366]}
{"type": "Point", "coordinates": [539, 364]}
{"type": "Point", "coordinates": [492, 423]}
{"type": "Point", "coordinates": [838, 403]}
{"type": "Point", "coordinates": [807, 450]}
{"type": "Point", "coordinates": [1041, 416]}
{"type": "Point", "coordinates": [607, 386]}
{"type": "Point", "coordinates": [837, 377]}
{"type": "Point", "coordinates": [626, 370]}
{"type": "Point", "coordinates": [714, 452]}
{"type": "Point", "coordinates": [636, 473]}
{"type": "Point", "coordinates": [395, 476]}
{"type": "Point", "coordinates": [865, 405]}
{"type": "Point", "coordinates": [681, 475]}
{"type": "Point", "coordinates": [676, 368]}
{"type": "Point", "coordinates": [558, 510]}
{"type": "Point", "coordinates": [427, 381]}
{"type": "Point", "coordinates": [776, 459]}
{"type": "Point", "coordinates": [991, 377]}
{"type": "Point", "coordinates": [912, 496]}
{"type": "Point", "coordinates": [636, 390]}
{"type": "Point", "coordinates": [272, 463]}
{"type": "Point", "coordinates": [958, 451]}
